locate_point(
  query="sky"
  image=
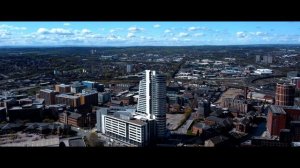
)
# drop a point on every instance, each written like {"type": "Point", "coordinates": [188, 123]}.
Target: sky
{"type": "Point", "coordinates": [147, 33]}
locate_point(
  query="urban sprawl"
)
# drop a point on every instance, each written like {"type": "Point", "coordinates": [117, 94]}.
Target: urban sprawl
{"type": "Point", "coordinates": [206, 96]}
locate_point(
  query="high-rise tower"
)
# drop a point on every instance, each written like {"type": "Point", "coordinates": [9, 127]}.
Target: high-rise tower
{"type": "Point", "coordinates": [152, 100]}
{"type": "Point", "coordinates": [285, 94]}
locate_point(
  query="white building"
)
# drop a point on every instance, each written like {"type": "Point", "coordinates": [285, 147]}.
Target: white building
{"type": "Point", "coordinates": [263, 71]}
{"type": "Point", "coordinates": [129, 68]}
{"type": "Point", "coordinates": [125, 126]}
{"type": "Point", "coordinates": [152, 100]}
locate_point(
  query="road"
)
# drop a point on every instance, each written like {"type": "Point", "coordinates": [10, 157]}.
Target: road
{"type": "Point", "coordinates": [81, 132]}
{"type": "Point", "coordinates": [183, 129]}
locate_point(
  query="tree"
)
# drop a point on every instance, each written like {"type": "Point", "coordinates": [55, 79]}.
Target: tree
{"type": "Point", "coordinates": [93, 140]}
{"type": "Point", "coordinates": [47, 120]}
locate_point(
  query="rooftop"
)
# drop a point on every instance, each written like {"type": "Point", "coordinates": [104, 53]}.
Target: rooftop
{"type": "Point", "coordinates": [277, 109]}
{"type": "Point", "coordinates": [63, 85]}
{"type": "Point", "coordinates": [47, 90]}
{"type": "Point", "coordinates": [67, 96]}
{"type": "Point", "coordinates": [219, 139]}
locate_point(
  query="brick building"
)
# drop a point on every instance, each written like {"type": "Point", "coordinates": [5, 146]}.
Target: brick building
{"type": "Point", "coordinates": [48, 95]}
{"type": "Point", "coordinates": [285, 94]}
{"type": "Point", "coordinates": [62, 88]}
{"type": "Point", "coordinates": [276, 120]}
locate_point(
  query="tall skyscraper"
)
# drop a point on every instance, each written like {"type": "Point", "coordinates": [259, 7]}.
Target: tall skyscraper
{"type": "Point", "coordinates": [129, 68]}
{"type": "Point", "coordinates": [152, 100]}
{"type": "Point", "coordinates": [285, 94]}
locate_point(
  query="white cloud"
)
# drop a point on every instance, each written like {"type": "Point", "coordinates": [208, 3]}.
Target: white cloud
{"type": "Point", "coordinates": [86, 31]}
{"type": "Point", "coordinates": [167, 31]}
{"type": "Point", "coordinates": [58, 31]}
{"type": "Point", "coordinates": [241, 34]}
{"type": "Point", "coordinates": [43, 31]}
{"type": "Point", "coordinates": [9, 27]}
{"type": "Point", "coordinates": [4, 33]}
{"type": "Point", "coordinates": [260, 33]}
{"type": "Point", "coordinates": [115, 30]}
{"type": "Point", "coordinates": [198, 34]}
{"type": "Point", "coordinates": [130, 35]}
{"type": "Point", "coordinates": [67, 24]}
{"type": "Point", "coordinates": [193, 28]}
{"type": "Point", "coordinates": [111, 37]}
{"type": "Point", "coordinates": [156, 26]}
{"type": "Point", "coordinates": [135, 29]}
{"type": "Point", "coordinates": [182, 34]}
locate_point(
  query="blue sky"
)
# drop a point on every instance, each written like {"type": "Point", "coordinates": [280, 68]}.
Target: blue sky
{"type": "Point", "coordinates": [147, 33]}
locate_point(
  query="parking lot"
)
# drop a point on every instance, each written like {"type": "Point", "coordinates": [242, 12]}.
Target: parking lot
{"type": "Point", "coordinates": [173, 120]}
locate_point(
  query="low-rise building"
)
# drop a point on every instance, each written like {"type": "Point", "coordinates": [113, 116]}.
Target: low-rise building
{"type": "Point", "coordinates": [71, 118]}
{"type": "Point", "coordinates": [216, 141]}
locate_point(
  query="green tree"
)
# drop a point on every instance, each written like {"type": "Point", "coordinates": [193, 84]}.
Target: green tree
{"type": "Point", "coordinates": [93, 140]}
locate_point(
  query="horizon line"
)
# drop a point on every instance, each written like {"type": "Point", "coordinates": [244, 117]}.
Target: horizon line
{"type": "Point", "coordinates": [125, 46]}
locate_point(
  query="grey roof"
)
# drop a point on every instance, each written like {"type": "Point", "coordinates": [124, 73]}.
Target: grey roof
{"type": "Point", "coordinates": [75, 115]}
{"type": "Point", "coordinates": [2, 125]}
{"type": "Point", "coordinates": [76, 142]}
{"type": "Point", "coordinates": [219, 139]}
{"type": "Point", "coordinates": [225, 122]}
{"type": "Point", "coordinates": [277, 109]}
{"type": "Point", "coordinates": [10, 126]}
{"type": "Point", "coordinates": [201, 125]}
{"type": "Point", "coordinates": [285, 130]}
{"type": "Point", "coordinates": [295, 122]}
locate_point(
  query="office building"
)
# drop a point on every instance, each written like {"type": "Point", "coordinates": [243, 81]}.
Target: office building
{"type": "Point", "coordinates": [129, 68]}
{"type": "Point", "coordinates": [295, 130]}
{"type": "Point", "coordinates": [152, 100]}
{"type": "Point", "coordinates": [257, 59]}
{"type": "Point", "coordinates": [77, 87]}
{"type": "Point", "coordinates": [88, 98]}
{"type": "Point", "coordinates": [236, 104]}
{"type": "Point", "coordinates": [48, 95]}
{"type": "Point", "coordinates": [2, 114]}
{"type": "Point", "coordinates": [285, 94]}
{"type": "Point", "coordinates": [204, 108]}
{"type": "Point", "coordinates": [276, 120]}
{"type": "Point", "coordinates": [93, 85]}
{"type": "Point", "coordinates": [69, 100]}
{"type": "Point", "coordinates": [125, 126]}
{"type": "Point", "coordinates": [292, 74]}
{"type": "Point", "coordinates": [296, 82]}
{"type": "Point", "coordinates": [62, 88]}
{"type": "Point", "coordinates": [71, 118]}
{"type": "Point", "coordinates": [103, 97]}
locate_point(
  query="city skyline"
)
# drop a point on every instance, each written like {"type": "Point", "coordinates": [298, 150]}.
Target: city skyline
{"type": "Point", "coordinates": [147, 33]}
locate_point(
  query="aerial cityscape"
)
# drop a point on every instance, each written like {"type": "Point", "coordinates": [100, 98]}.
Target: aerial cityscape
{"type": "Point", "coordinates": [150, 84]}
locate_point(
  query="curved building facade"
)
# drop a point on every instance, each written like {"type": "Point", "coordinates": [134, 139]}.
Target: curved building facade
{"type": "Point", "coordinates": [285, 94]}
{"type": "Point", "coordinates": [152, 100]}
